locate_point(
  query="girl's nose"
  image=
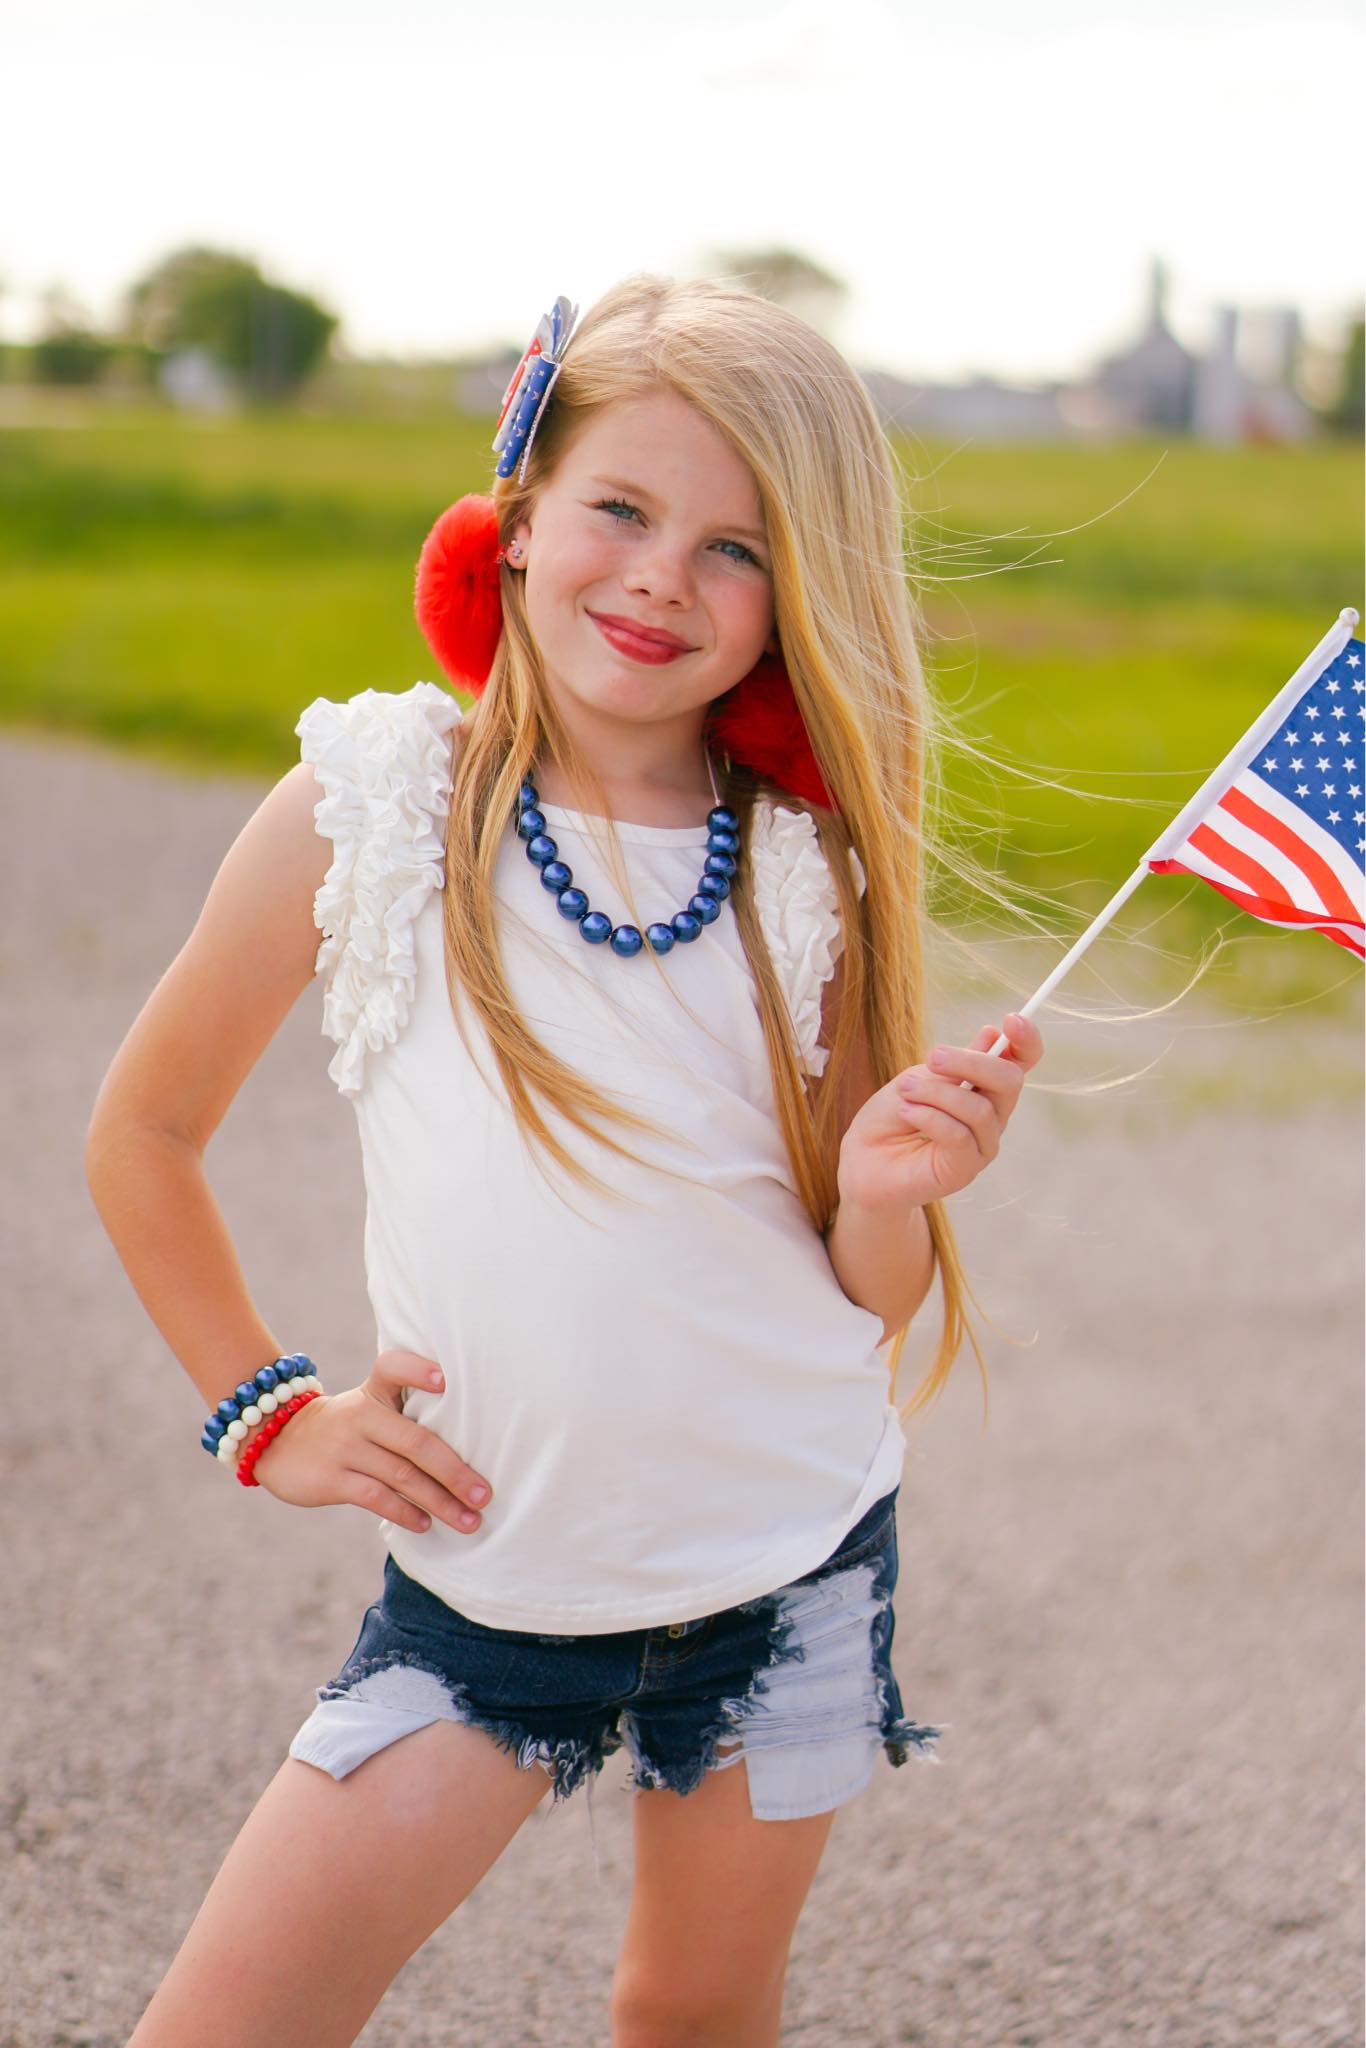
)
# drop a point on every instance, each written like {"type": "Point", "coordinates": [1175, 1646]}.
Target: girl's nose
{"type": "Point", "coordinates": [663, 577]}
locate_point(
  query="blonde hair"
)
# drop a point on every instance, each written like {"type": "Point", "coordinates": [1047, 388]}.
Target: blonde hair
{"type": "Point", "coordinates": [799, 416]}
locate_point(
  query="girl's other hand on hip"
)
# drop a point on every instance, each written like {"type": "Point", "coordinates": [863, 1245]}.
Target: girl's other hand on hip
{"type": "Point", "coordinates": [359, 1448]}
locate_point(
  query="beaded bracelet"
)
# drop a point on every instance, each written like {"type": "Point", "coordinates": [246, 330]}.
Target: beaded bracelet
{"type": "Point", "coordinates": [253, 1402]}
{"type": "Point", "coordinates": [269, 1431]}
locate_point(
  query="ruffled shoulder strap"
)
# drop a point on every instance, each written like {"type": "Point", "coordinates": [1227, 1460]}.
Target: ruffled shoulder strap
{"type": "Point", "coordinates": [383, 759]}
{"type": "Point", "coordinates": [794, 894]}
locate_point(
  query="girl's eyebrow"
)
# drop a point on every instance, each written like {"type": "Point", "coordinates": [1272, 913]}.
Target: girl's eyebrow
{"type": "Point", "coordinates": [616, 483]}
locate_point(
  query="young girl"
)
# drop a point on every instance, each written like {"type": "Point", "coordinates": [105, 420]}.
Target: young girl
{"type": "Point", "coordinates": [624, 972]}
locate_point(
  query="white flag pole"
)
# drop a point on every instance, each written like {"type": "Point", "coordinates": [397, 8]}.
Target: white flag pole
{"type": "Point", "coordinates": [1208, 794]}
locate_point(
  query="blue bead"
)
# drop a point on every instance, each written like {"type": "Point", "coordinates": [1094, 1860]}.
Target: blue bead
{"type": "Point", "coordinates": [246, 1394]}
{"type": "Point", "coordinates": [216, 1427]}
{"type": "Point", "coordinates": [714, 885]}
{"type": "Point", "coordinates": [723, 842]}
{"type": "Point", "coordinates": [571, 902]}
{"type": "Point", "coordinates": [541, 849]}
{"type": "Point", "coordinates": [528, 795]}
{"type": "Point", "coordinates": [661, 937]}
{"type": "Point", "coordinates": [229, 1409]}
{"type": "Point", "coordinates": [723, 819]}
{"type": "Point", "coordinates": [267, 1378]}
{"type": "Point", "coordinates": [530, 823]}
{"type": "Point", "coordinates": [720, 864]}
{"type": "Point", "coordinates": [556, 875]}
{"type": "Point", "coordinates": [687, 925]}
{"type": "Point", "coordinates": [705, 907]}
{"type": "Point", "coordinates": [626, 941]}
{"type": "Point", "coordinates": [595, 927]}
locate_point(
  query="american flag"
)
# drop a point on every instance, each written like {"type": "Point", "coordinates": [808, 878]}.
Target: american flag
{"type": "Point", "coordinates": [1286, 838]}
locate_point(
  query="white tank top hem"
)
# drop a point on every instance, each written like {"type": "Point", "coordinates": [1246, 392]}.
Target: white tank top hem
{"type": "Point", "coordinates": [678, 1407]}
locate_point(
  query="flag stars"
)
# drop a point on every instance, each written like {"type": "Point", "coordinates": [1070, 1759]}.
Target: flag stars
{"type": "Point", "coordinates": [1272, 764]}
{"type": "Point", "coordinates": [1302, 789]}
{"type": "Point", "coordinates": [1335, 817]}
{"type": "Point", "coordinates": [1330, 789]}
{"type": "Point", "coordinates": [1332, 686]}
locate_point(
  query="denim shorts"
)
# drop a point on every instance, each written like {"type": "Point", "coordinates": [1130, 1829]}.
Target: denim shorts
{"type": "Point", "coordinates": [798, 1682]}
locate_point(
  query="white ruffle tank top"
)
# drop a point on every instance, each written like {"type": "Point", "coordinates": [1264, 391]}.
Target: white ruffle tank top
{"type": "Point", "coordinates": [675, 1402]}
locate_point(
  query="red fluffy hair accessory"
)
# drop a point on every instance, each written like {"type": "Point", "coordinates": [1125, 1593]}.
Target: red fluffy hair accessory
{"type": "Point", "coordinates": [459, 605]}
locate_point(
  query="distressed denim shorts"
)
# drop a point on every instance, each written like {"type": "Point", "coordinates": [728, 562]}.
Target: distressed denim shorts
{"type": "Point", "coordinates": [798, 1682]}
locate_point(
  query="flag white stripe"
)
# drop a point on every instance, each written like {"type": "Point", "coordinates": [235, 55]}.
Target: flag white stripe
{"type": "Point", "coordinates": [1309, 829]}
{"type": "Point", "coordinates": [1212, 870]}
{"type": "Point", "coordinates": [1267, 854]}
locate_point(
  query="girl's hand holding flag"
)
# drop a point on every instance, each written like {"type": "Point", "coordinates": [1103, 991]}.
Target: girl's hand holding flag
{"type": "Point", "coordinates": [934, 1127]}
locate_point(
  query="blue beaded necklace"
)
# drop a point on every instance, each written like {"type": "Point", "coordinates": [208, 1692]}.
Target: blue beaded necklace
{"type": "Point", "coordinates": [723, 847]}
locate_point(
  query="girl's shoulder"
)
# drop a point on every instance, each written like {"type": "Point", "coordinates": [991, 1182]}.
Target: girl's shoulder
{"type": "Point", "coordinates": [360, 737]}
{"type": "Point", "coordinates": [798, 907]}
{"type": "Point", "coordinates": [383, 760]}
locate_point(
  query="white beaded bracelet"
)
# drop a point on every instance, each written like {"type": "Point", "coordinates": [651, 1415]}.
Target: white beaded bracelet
{"type": "Point", "coordinates": [238, 1418]}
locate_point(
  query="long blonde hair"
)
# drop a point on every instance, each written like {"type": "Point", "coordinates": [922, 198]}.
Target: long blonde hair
{"type": "Point", "coordinates": [796, 412]}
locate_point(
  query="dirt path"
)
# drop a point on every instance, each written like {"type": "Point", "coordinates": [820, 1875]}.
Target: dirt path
{"type": "Point", "coordinates": [1135, 1599]}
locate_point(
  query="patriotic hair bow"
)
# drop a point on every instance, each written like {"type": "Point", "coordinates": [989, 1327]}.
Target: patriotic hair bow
{"type": "Point", "coordinates": [530, 386]}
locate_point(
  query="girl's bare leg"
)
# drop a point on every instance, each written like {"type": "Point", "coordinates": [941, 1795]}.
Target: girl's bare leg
{"type": "Point", "coordinates": [332, 1884]}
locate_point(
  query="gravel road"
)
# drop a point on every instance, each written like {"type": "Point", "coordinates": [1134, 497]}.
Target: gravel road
{"type": "Point", "coordinates": [1134, 1597]}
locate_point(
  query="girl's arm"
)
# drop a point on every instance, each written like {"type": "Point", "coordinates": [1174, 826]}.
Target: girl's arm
{"type": "Point", "coordinates": [252, 952]}
{"type": "Point", "coordinates": [919, 1139]}
{"type": "Point", "coordinates": [200, 1032]}
{"type": "Point", "coordinates": [883, 1259]}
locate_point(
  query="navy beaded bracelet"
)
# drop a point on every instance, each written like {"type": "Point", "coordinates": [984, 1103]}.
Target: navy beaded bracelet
{"type": "Point", "coordinates": [248, 1405]}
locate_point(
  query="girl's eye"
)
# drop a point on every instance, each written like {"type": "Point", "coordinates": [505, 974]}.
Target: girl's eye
{"type": "Point", "coordinates": [615, 505]}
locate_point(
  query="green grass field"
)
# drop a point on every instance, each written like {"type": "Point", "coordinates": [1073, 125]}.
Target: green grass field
{"type": "Point", "coordinates": [1108, 619]}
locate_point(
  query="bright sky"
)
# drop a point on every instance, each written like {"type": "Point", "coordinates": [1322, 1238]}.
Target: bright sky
{"type": "Point", "coordinates": [991, 180]}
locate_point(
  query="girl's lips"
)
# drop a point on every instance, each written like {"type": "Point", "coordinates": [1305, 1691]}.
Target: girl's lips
{"type": "Point", "coordinates": [634, 648]}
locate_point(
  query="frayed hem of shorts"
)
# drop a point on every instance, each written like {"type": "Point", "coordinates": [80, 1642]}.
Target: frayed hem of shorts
{"type": "Point", "coordinates": [779, 1644]}
{"type": "Point", "coordinates": [567, 1760]}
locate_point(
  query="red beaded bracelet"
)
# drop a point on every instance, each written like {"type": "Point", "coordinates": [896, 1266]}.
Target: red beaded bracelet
{"type": "Point", "coordinates": [269, 1431]}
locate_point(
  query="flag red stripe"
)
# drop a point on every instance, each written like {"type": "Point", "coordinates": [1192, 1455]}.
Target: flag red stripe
{"type": "Point", "coordinates": [1321, 876]}
{"type": "Point", "coordinates": [1216, 848]}
{"type": "Point", "coordinates": [1274, 910]}
{"type": "Point", "coordinates": [1278, 912]}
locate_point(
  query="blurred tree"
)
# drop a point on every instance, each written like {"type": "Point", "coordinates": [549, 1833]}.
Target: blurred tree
{"type": "Point", "coordinates": [268, 337]}
{"type": "Point", "coordinates": [787, 278]}
{"type": "Point", "coordinates": [69, 350]}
